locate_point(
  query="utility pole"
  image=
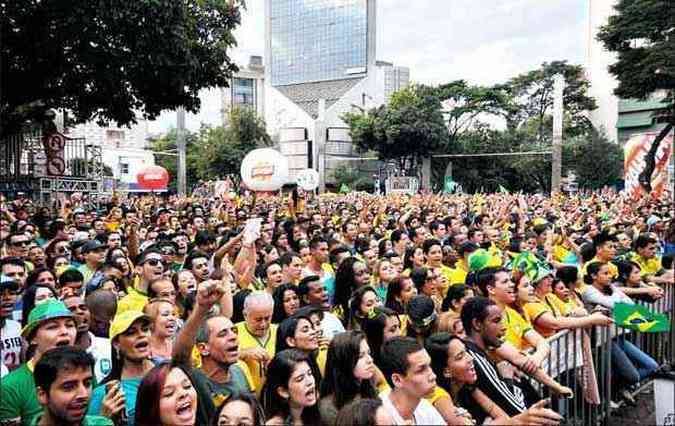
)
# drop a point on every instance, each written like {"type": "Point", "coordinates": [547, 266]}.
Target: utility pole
{"type": "Point", "coordinates": [558, 113]}
{"type": "Point", "coordinates": [180, 144]}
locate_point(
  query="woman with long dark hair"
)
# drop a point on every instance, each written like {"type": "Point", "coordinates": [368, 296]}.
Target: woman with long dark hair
{"type": "Point", "coordinates": [351, 376]}
{"type": "Point", "coordinates": [168, 396]}
{"type": "Point", "coordinates": [290, 395]}
{"type": "Point", "coordinates": [401, 290]}
{"type": "Point", "coordinates": [41, 276]}
{"type": "Point", "coordinates": [351, 274]}
{"type": "Point", "coordinates": [299, 332]}
{"type": "Point", "coordinates": [380, 327]}
{"type": "Point", "coordinates": [628, 361]}
{"type": "Point", "coordinates": [363, 301]}
{"type": "Point", "coordinates": [286, 302]}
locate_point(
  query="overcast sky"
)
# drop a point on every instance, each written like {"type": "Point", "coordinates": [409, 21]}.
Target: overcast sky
{"type": "Point", "coordinates": [482, 41]}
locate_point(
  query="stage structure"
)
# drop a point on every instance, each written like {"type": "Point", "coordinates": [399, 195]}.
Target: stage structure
{"type": "Point", "coordinates": [46, 165]}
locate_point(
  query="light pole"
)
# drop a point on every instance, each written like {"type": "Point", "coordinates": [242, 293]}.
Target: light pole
{"type": "Point", "coordinates": [558, 113]}
{"type": "Point", "coordinates": [180, 144]}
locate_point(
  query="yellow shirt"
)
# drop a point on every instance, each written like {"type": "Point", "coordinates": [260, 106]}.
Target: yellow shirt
{"type": "Point", "coordinates": [551, 304]}
{"type": "Point", "coordinates": [436, 394]}
{"type": "Point", "coordinates": [647, 266]}
{"type": "Point", "coordinates": [447, 272]}
{"type": "Point", "coordinates": [133, 301]}
{"type": "Point", "coordinates": [516, 328]}
{"type": "Point", "coordinates": [321, 359]}
{"type": "Point", "coordinates": [458, 275]}
{"type": "Point", "coordinates": [246, 341]}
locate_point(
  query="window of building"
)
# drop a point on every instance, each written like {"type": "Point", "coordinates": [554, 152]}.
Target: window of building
{"type": "Point", "coordinates": [123, 166]}
{"type": "Point", "coordinates": [243, 92]}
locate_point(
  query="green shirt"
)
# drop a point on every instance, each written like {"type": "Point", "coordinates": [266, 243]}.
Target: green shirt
{"type": "Point", "coordinates": [18, 396]}
{"type": "Point", "coordinates": [86, 421]}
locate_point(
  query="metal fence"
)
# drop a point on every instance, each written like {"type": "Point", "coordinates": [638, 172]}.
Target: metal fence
{"type": "Point", "coordinates": [581, 360]}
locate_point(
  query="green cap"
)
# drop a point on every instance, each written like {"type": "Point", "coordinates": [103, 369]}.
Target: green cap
{"type": "Point", "coordinates": [481, 259]}
{"type": "Point", "coordinates": [47, 310]}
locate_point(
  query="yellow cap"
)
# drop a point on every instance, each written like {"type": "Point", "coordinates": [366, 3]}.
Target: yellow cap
{"type": "Point", "coordinates": [123, 321]}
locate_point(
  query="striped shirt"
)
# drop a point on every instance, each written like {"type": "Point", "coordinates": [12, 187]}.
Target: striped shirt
{"type": "Point", "coordinates": [506, 394]}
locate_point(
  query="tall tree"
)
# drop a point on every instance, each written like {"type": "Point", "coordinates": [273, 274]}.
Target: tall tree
{"type": "Point", "coordinates": [408, 128]}
{"type": "Point", "coordinates": [109, 60]}
{"type": "Point", "coordinates": [532, 100]}
{"type": "Point", "coordinates": [220, 150]}
{"type": "Point", "coordinates": [463, 105]}
{"type": "Point", "coordinates": [642, 33]}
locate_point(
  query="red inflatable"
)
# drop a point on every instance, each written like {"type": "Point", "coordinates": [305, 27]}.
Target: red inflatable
{"type": "Point", "coordinates": [153, 178]}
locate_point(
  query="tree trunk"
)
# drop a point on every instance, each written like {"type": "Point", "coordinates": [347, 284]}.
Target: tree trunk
{"type": "Point", "coordinates": [645, 177]}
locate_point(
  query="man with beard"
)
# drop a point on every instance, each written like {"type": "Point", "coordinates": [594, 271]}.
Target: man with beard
{"type": "Point", "coordinates": [151, 268]}
{"type": "Point", "coordinates": [63, 378]}
{"type": "Point", "coordinates": [116, 396]}
{"type": "Point", "coordinates": [10, 330]}
{"type": "Point", "coordinates": [97, 347]}
{"type": "Point", "coordinates": [50, 324]}
{"type": "Point", "coordinates": [216, 338]}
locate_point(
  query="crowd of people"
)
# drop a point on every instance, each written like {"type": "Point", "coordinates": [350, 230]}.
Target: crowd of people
{"type": "Point", "coordinates": [350, 309]}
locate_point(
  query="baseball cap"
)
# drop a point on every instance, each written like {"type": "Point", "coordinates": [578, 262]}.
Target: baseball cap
{"type": "Point", "coordinates": [123, 321]}
{"type": "Point", "coordinates": [91, 246]}
{"type": "Point", "coordinates": [45, 311]}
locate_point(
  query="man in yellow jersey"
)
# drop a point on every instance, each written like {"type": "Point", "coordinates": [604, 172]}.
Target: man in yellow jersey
{"type": "Point", "coordinates": [651, 269]}
{"type": "Point", "coordinates": [257, 335]}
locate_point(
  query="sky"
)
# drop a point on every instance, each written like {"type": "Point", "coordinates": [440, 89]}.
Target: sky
{"type": "Point", "coordinates": [481, 41]}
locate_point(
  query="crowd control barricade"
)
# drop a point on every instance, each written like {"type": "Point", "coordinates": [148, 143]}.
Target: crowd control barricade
{"type": "Point", "coordinates": [581, 360]}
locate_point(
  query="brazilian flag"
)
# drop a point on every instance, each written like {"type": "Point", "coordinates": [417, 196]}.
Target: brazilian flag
{"type": "Point", "coordinates": [639, 318]}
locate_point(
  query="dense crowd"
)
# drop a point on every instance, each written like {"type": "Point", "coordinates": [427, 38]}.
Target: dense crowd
{"type": "Point", "coordinates": [335, 309]}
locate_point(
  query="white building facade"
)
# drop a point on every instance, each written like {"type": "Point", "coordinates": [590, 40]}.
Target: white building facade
{"type": "Point", "coordinates": [321, 63]}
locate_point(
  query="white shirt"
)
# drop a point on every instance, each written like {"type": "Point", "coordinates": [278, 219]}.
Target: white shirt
{"type": "Point", "coordinates": [100, 349]}
{"type": "Point", "coordinates": [331, 325]}
{"type": "Point", "coordinates": [3, 370]}
{"type": "Point", "coordinates": [424, 414]}
{"type": "Point", "coordinates": [10, 344]}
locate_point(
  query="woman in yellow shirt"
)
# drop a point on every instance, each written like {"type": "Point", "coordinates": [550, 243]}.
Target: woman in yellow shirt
{"type": "Point", "coordinates": [547, 312]}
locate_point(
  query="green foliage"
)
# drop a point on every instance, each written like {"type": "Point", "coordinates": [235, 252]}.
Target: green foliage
{"type": "Point", "coordinates": [641, 33]}
{"type": "Point", "coordinates": [411, 126]}
{"type": "Point", "coordinates": [215, 152]}
{"type": "Point", "coordinates": [107, 60]}
{"type": "Point", "coordinates": [168, 143]}
{"type": "Point", "coordinates": [344, 175]}
{"type": "Point", "coordinates": [463, 104]}
{"type": "Point", "coordinates": [531, 100]}
{"type": "Point", "coordinates": [596, 161]}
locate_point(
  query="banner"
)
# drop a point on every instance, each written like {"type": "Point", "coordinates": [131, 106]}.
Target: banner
{"type": "Point", "coordinates": [634, 162]}
{"type": "Point", "coordinates": [639, 318]}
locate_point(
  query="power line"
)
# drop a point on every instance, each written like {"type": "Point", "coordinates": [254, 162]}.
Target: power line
{"type": "Point", "coordinates": [494, 154]}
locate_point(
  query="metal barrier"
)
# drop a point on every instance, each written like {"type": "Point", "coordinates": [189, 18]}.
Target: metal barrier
{"type": "Point", "coordinates": [578, 357]}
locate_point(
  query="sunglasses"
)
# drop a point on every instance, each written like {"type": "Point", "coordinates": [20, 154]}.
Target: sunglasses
{"type": "Point", "coordinates": [20, 243]}
{"type": "Point", "coordinates": [154, 262]}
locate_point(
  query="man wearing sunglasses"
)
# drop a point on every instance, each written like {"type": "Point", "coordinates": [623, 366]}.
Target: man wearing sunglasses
{"type": "Point", "coordinates": [150, 267]}
{"type": "Point", "coordinates": [17, 245]}
{"type": "Point", "coordinates": [10, 330]}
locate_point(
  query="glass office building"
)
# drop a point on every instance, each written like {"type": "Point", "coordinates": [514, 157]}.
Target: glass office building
{"type": "Point", "coordinates": [317, 40]}
{"type": "Point", "coordinates": [243, 92]}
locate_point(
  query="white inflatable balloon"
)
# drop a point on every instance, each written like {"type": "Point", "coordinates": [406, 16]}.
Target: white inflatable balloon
{"type": "Point", "coordinates": [264, 169]}
{"type": "Point", "coordinates": [308, 179]}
